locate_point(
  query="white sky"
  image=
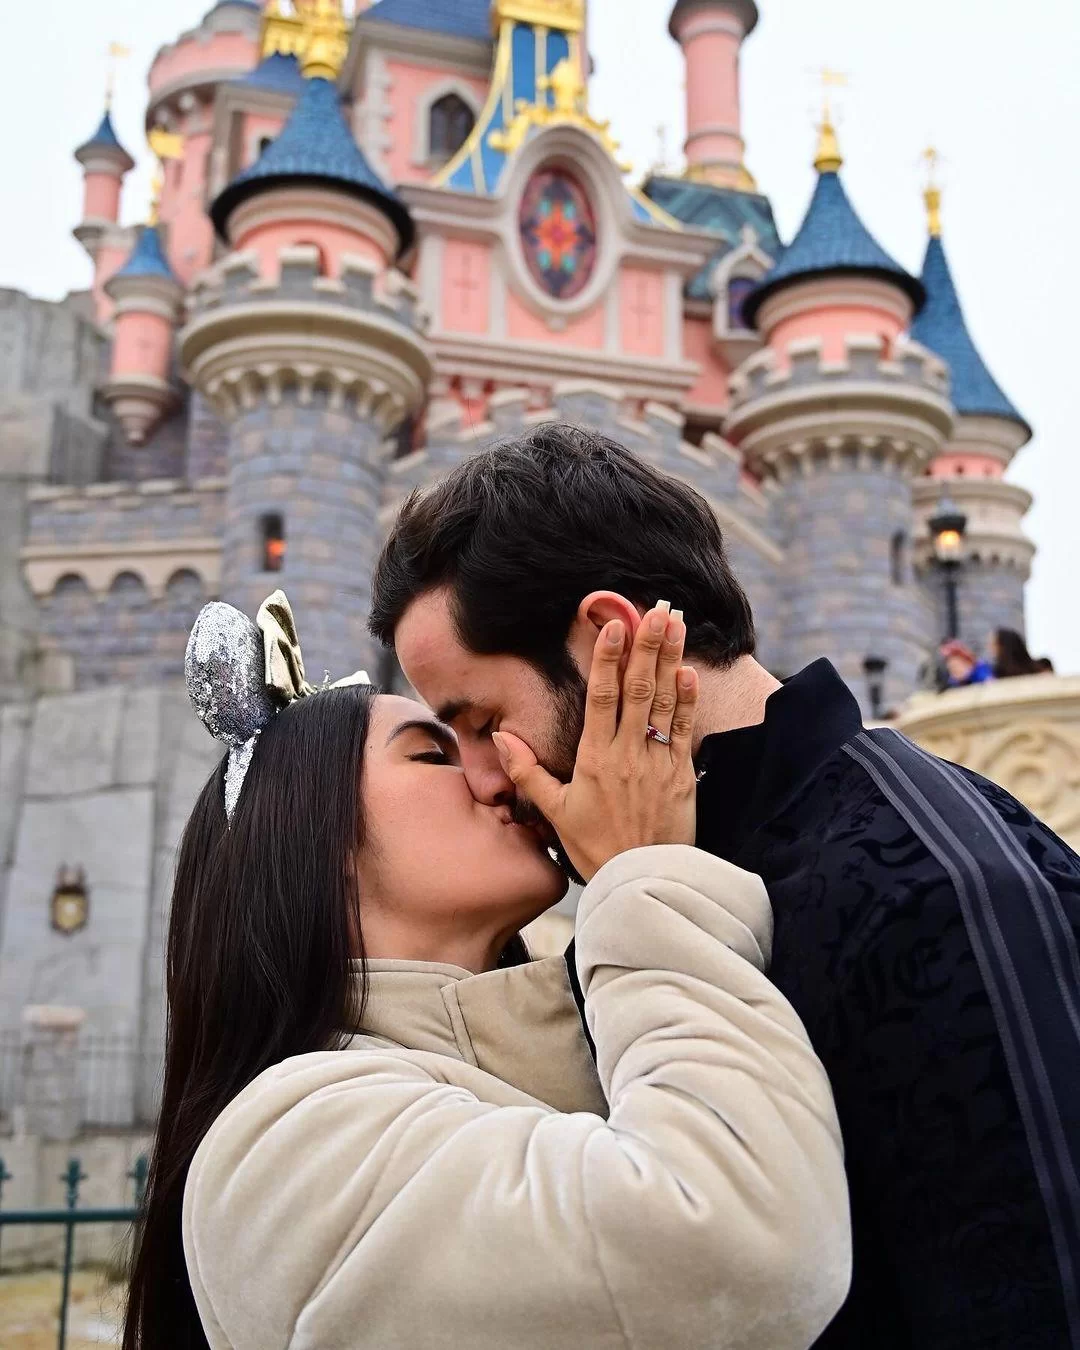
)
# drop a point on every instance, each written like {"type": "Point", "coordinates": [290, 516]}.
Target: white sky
{"type": "Point", "coordinates": [992, 84]}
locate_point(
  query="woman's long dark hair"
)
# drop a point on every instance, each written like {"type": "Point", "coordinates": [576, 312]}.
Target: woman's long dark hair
{"type": "Point", "coordinates": [263, 923]}
{"type": "Point", "coordinates": [1013, 657]}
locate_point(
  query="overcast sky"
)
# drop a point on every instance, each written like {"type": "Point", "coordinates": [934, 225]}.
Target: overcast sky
{"type": "Point", "coordinates": [992, 84]}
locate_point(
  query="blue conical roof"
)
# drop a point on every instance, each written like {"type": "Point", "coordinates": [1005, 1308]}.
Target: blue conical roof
{"type": "Point", "coordinates": [147, 257]}
{"type": "Point", "coordinates": [105, 138]}
{"type": "Point", "coordinates": [942, 328]}
{"type": "Point", "coordinates": [454, 18]}
{"type": "Point", "coordinates": [832, 240]}
{"type": "Point", "coordinates": [315, 146]}
{"type": "Point", "coordinates": [278, 72]}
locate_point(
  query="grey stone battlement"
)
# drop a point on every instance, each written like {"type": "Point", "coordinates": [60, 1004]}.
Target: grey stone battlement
{"type": "Point", "coordinates": [237, 280]}
{"type": "Point", "coordinates": [866, 361]}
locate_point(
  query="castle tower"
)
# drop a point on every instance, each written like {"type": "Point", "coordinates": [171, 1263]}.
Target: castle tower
{"type": "Point", "coordinates": [147, 297]}
{"type": "Point", "coordinates": [711, 33]}
{"type": "Point", "coordinates": [837, 415]}
{"type": "Point", "coordinates": [105, 165]}
{"type": "Point", "coordinates": [305, 339]}
{"type": "Point", "coordinates": [988, 433]}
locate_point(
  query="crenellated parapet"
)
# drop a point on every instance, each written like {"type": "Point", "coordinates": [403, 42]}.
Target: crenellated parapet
{"type": "Point", "coordinates": [746, 511]}
{"type": "Point", "coordinates": [887, 408]}
{"type": "Point", "coordinates": [357, 337]}
{"type": "Point", "coordinates": [118, 572]}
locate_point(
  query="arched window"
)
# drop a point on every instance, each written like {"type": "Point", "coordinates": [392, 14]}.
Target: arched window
{"type": "Point", "coordinates": [898, 562]}
{"type": "Point", "coordinates": [449, 124]}
{"type": "Point", "coordinates": [272, 532]}
{"type": "Point", "coordinates": [737, 291]}
{"type": "Point", "coordinates": [265, 142]}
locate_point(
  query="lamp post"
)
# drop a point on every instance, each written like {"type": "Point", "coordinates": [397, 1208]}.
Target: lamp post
{"type": "Point", "coordinates": [947, 529]}
{"type": "Point", "coordinates": [874, 667]}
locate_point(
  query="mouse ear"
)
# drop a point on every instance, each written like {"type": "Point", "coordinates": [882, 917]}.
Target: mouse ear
{"type": "Point", "coordinates": [226, 675]}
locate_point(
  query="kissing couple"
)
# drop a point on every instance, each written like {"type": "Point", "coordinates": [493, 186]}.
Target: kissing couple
{"type": "Point", "coordinates": [808, 1075]}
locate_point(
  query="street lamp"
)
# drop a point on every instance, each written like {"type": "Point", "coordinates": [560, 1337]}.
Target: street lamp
{"type": "Point", "coordinates": [947, 529]}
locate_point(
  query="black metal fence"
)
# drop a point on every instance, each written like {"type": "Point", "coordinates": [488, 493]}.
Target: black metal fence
{"type": "Point", "coordinates": [118, 1079]}
{"type": "Point", "coordinates": [70, 1218]}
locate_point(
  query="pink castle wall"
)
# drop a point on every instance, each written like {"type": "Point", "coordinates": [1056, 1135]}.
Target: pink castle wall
{"type": "Point", "coordinates": [409, 83]}
{"type": "Point", "coordinates": [584, 330]}
{"type": "Point", "coordinates": [223, 51]}
{"type": "Point", "coordinates": [190, 235]}
{"type": "Point", "coordinates": [710, 389]}
{"type": "Point", "coordinates": [333, 240]}
{"type": "Point", "coordinates": [833, 324]}
{"type": "Point", "coordinates": [466, 286]}
{"type": "Point", "coordinates": [101, 200]}
{"type": "Point", "coordinates": [966, 466]}
{"type": "Point", "coordinates": [141, 345]}
{"type": "Point", "coordinates": [712, 88]}
{"type": "Point", "coordinates": [641, 311]}
{"type": "Point", "coordinates": [109, 261]}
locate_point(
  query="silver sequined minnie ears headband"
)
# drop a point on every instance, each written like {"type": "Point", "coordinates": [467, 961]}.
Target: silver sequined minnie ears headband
{"type": "Point", "coordinates": [241, 674]}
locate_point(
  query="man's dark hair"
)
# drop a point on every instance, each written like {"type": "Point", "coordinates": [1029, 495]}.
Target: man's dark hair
{"type": "Point", "coordinates": [521, 532]}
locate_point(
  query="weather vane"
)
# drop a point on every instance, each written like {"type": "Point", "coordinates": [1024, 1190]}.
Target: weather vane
{"type": "Point", "coordinates": [117, 52]}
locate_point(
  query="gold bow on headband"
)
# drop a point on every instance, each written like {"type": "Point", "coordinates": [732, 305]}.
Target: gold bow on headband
{"type": "Point", "coordinates": [284, 662]}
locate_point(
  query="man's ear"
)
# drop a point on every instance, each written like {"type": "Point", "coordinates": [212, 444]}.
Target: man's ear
{"type": "Point", "coordinates": [597, 609]}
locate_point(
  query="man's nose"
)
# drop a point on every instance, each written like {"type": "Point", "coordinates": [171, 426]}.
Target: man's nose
{"type": "Point", "coordinates": [487, 779]}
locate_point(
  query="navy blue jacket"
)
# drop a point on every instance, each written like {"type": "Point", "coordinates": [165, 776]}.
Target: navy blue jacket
{"type": "Point", "coordinates": [926, 930]}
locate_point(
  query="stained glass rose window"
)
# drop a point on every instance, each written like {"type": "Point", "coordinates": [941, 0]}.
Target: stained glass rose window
{"type": "Point", "coordinates": [558, 233]}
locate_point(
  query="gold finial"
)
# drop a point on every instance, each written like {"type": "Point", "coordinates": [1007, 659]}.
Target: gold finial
{"type": "Point", "coordinates": [932, 192]}
{"type": "Point", "coordinates": [117, 52]}
{"type": "Point", "coordinates": [166, 145]}
{"type": "Point", "coordinates": [828, 158]}
{"type": "Point", "coordinates": [316, 32]}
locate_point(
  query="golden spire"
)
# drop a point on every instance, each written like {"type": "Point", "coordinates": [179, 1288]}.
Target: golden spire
{"type": "Point", "coordinates": [932, 192]}
{"type": "Point", "coordinates": [828, 158]}
{"type": "Point", "coordinates": [117, 52]}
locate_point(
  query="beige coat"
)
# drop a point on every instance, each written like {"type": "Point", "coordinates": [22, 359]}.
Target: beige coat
{"type": "Point", "coordinates": [454, 1179]}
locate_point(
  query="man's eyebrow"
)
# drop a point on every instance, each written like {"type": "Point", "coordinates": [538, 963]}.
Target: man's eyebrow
{"type": "Point", "coordinates": [435, 730]}
{"type": "Point", "coordinates": [450, 711]}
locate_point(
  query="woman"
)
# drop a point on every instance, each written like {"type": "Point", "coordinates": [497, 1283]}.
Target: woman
{"type": "Point", "coordinates": [1009, 655]}
{"type": "Point", "coordinates": [381, 1124]}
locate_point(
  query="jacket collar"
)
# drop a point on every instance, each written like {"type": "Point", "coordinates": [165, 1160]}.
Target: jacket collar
{"type": "Point", "coordinates": [753, 773]}
{"type": "Point", "coordinates": [520, 1024]}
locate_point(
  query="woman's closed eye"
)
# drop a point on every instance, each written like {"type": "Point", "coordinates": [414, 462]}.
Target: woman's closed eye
{"type": "Point", "coordinates": [431, 757]}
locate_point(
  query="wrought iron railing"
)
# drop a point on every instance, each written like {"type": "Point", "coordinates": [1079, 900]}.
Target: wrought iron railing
{"type": "Point", "coordinates": [70, 1218]}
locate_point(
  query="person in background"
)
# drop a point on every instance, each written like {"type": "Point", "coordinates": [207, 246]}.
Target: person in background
{"type": "Point", "coordinates": [963, 667]}
{"type": "Point", "coordinates": [1010, 655]}
{"type": "Point", "coordinates": [1044, 666]}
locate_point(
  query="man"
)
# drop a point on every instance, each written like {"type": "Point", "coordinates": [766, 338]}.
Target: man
{"type": "Point", "coordinates": [926, 922]}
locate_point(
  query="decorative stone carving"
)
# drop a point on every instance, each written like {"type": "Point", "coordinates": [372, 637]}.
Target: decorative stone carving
{"type": "Point", "coordinates": [1022, 733]}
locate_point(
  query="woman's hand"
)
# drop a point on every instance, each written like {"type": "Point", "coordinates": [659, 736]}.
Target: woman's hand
{"type": "Point", "coordinates": [628, 790]}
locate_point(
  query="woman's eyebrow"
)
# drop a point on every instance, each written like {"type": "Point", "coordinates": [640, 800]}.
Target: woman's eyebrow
{"type": "Point", "coordinates": [436, 730]}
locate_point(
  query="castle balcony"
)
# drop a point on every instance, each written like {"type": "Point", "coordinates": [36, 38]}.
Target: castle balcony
{"type": "Point", "coordinates": [1023, 733]}
{"type": "Point", "coordinates": [880, 405]}
{"type": "Point", "coordinates": [250, 336]}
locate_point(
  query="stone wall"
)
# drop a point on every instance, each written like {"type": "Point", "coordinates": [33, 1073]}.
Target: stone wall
{"type": "Point", "coordinates": [120, 572]}
{"type": "Point", "coordinates": [318, 469]}
{"type": "Point", "coordinates": [101, 781]}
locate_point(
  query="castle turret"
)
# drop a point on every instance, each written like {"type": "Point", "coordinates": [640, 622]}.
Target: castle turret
{"type": "Point", "coordinates": [837, 415]}
{"type": "Point", "coordinates": [147, 297]}
{"type": "Point", "coordinates": [305, 338]}
{"type": "Point", "coordinates": [988, 432]}
{"type": "Point", "coordinates": [105, 165]}
{"type": "Point", "coordinates": [711, 34]}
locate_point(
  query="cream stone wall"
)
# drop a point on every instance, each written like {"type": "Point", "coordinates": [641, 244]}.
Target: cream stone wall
{"type": "Point", "coordinates": [1022, 733]}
